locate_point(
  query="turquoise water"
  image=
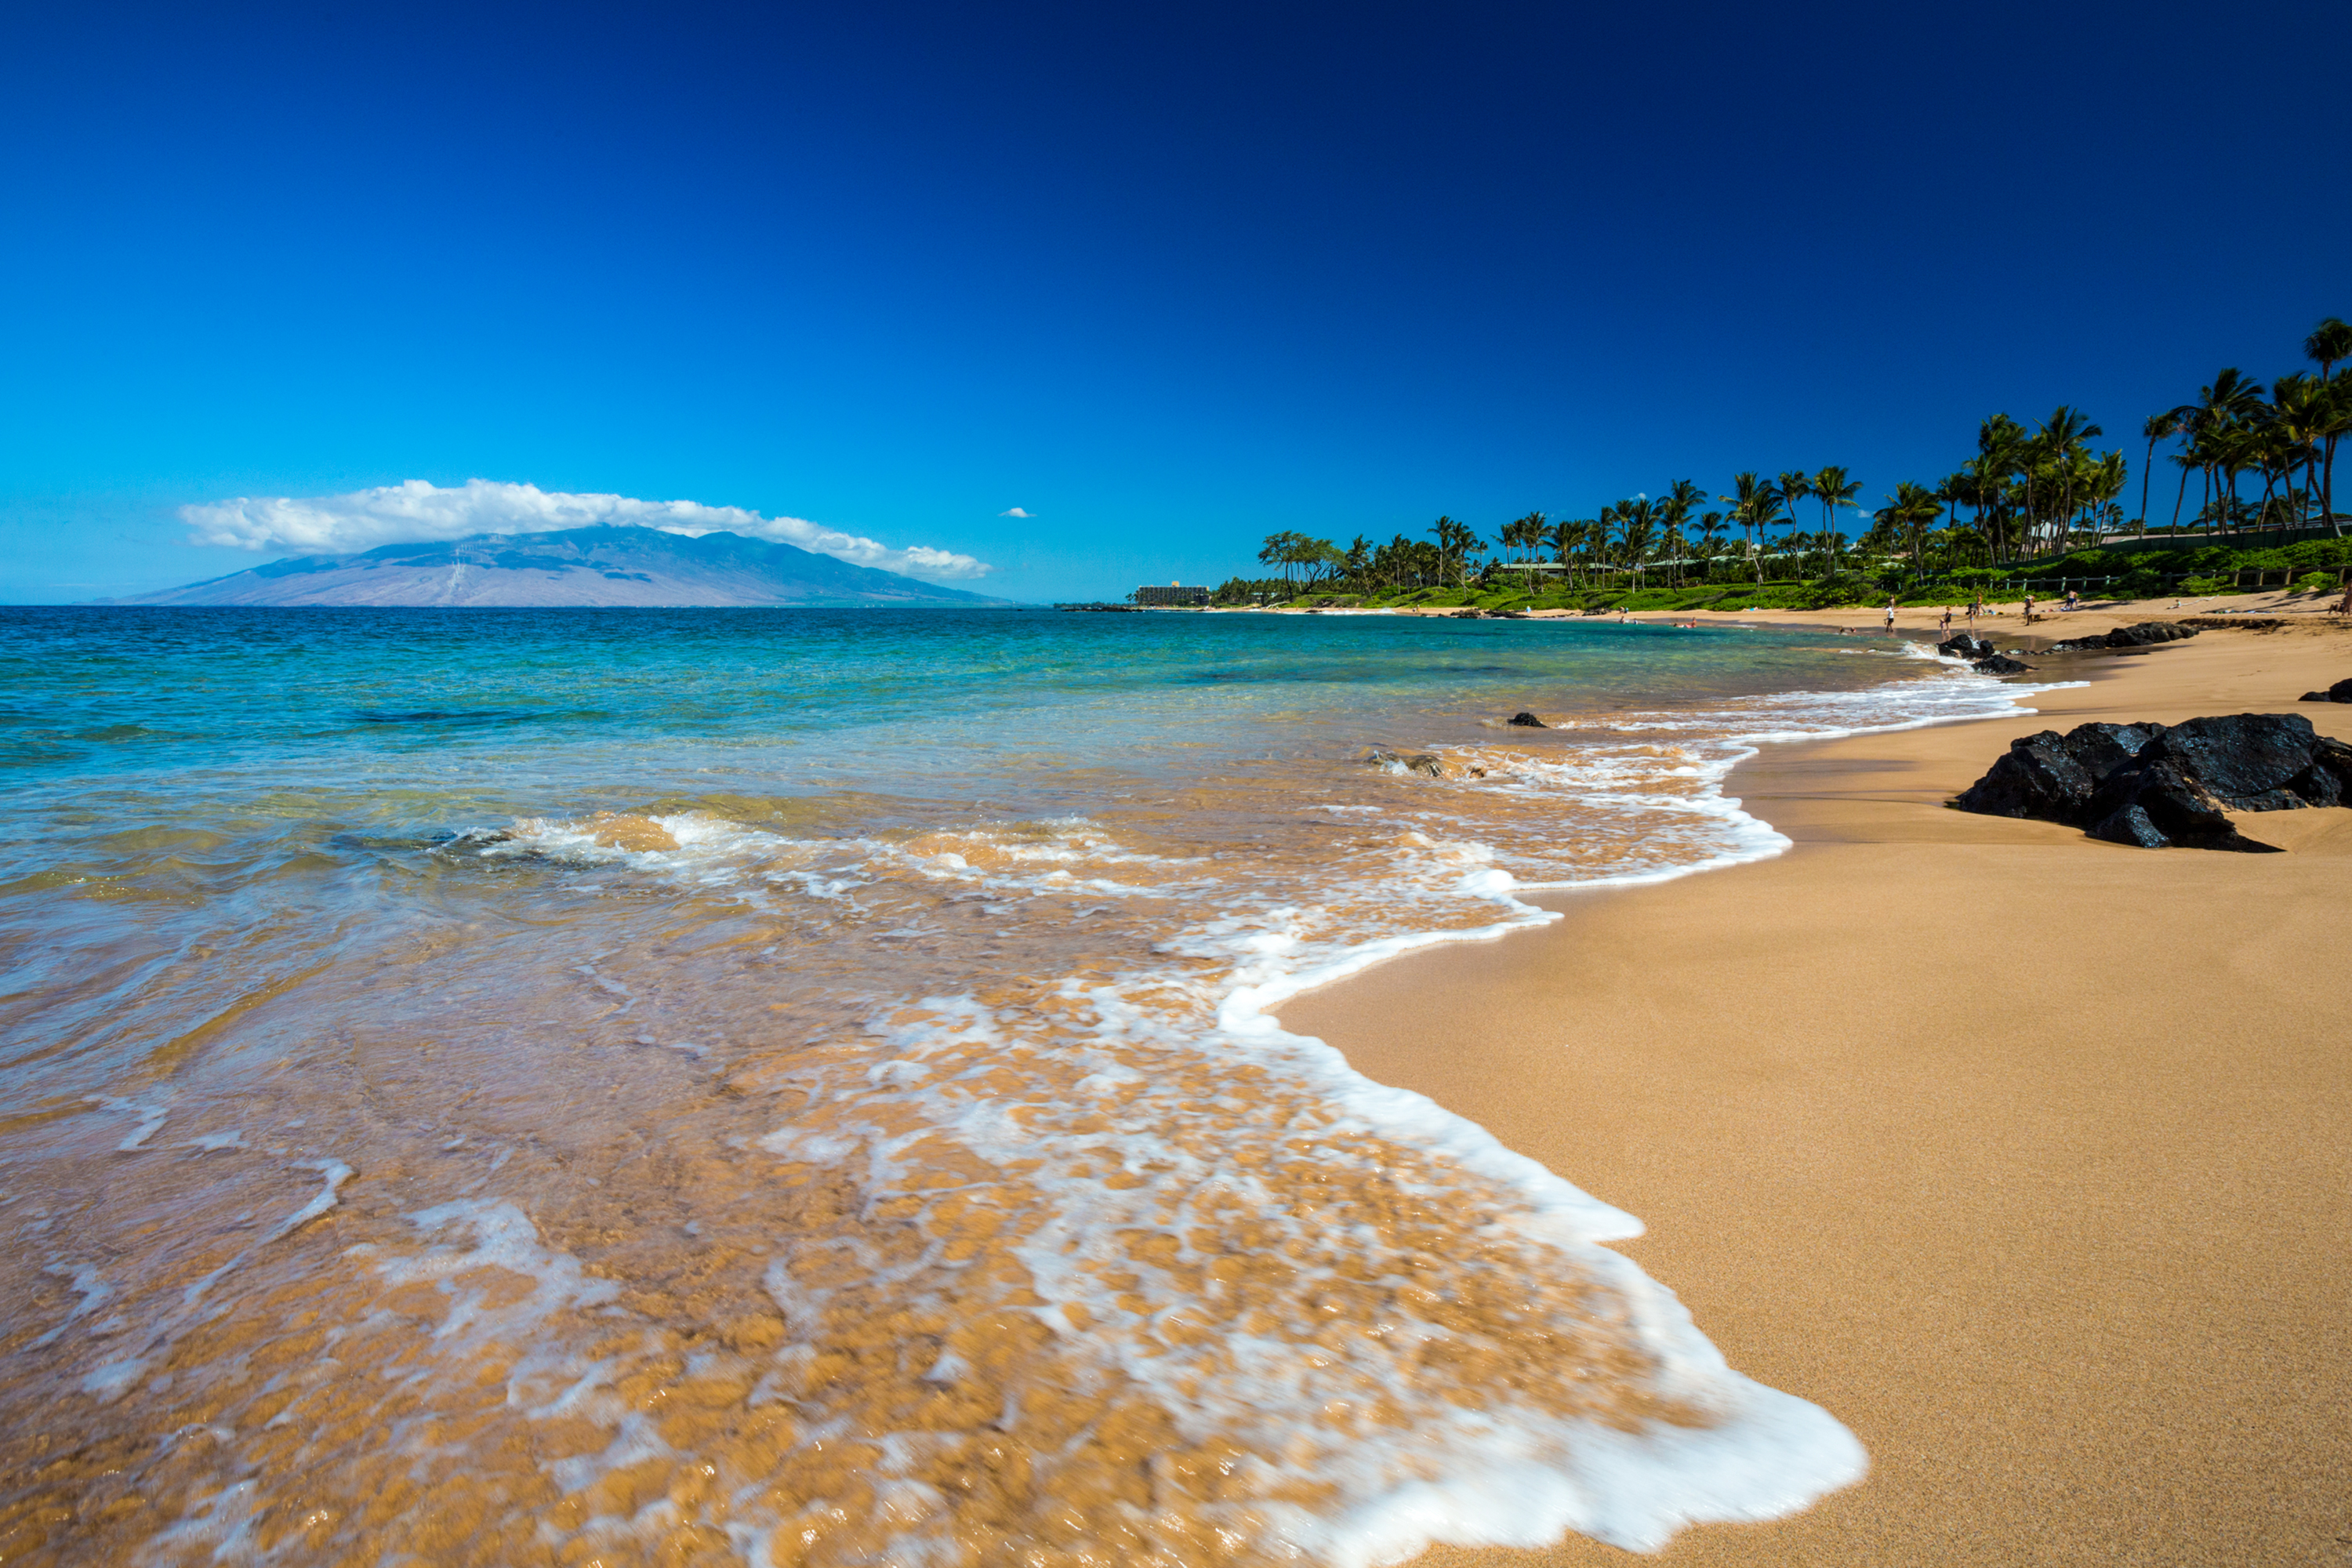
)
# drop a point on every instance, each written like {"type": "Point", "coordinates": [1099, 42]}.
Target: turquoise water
{"type": "Point", "coordinates": [649, 960]}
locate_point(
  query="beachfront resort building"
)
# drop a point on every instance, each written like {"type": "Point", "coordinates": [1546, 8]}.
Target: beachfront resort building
{"type": "Point", "coordinates": [1173, 593]}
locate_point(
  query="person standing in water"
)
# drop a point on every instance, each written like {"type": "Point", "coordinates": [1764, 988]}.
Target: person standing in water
{"type": "Point", "coordinates": [1944, 626]}
{"type": "Point", "coordinates": [1890, 617]}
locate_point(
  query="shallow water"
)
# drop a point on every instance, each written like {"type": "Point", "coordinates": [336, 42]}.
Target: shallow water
{"type": "Point", "coordinates": [794, 1087]}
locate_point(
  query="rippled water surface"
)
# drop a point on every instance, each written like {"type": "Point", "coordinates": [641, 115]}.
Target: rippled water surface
{"type": "Point", "coordinates": [793, 1087]}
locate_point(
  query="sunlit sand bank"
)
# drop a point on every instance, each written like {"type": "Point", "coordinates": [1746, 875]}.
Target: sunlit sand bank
{"type": "Point", "coordinates": [2025, 1155]}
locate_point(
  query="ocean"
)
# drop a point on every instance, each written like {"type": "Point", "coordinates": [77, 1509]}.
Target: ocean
{"type": "Point", "coordinates": [799, 1086]}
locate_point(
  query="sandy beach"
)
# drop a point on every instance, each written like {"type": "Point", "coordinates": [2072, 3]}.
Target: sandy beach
{"type": "Point", "coordinates": [2029, 1157]}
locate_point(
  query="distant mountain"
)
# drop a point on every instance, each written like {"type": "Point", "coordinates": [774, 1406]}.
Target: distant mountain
{"type": "Point", "coordinates": [601, 565]}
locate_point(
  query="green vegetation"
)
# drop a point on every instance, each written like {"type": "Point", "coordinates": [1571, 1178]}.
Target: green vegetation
{"type": "Point", "coordinates": [2036, 511]}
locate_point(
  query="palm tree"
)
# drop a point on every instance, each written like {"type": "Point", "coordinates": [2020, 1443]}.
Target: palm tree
{"type": "Point", "coordinates": [1832, 490]}
{"type": "Point", "coordinates": [2155, 427]}
{"type": "Point", "coordinates": [1907, 514]}
{"type": "Point", "coordinates": [2330, 343]}
{"type": "Point", "coordinates": [2062, 439]}
{"type": "Point", "coordinates": [1711, 531]}
{"type": "Point", "coordinates": [1793, 487]}
{"type": "Point", "coordinates": [1745, 489]}
{"type": "Point", "coordinates": [2001, 453]}
{"type": "Point", "coordinates": [1454, 541]}
{"type": "Point", "coordinates": [1637, 523]}
{"type": "Point", "coordinates": [2220, 411]}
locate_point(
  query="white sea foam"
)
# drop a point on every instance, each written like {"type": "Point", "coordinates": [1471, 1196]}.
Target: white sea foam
{"type": "Point", "coordinates": [1504, 1472]}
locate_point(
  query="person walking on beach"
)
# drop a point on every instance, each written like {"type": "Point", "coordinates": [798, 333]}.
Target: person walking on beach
{"type": "Point", "coordinates": [1944, 626]}
{"type": "Point", "coordinates": [2029, 609]}
{"type": "Point", "coordinates": [2074, 600]}
{"type": "Point", "coordinates": [1890, 617]}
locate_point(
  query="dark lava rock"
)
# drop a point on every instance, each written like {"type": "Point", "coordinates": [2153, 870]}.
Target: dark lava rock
{"type": "Point", "coordinates": [1961, 645]}
{"type": "Point", "coordinates": [1529, 720]}
{"type": "Point", "coordinates": [2151, 796]}
{"type": "Point", "coordinates": [2038, 777]}
{"type": "Point", "coordinates": [2149, 633]}
{"type": "Point", "coordinates": [2000, 664]}
{"type": "Point", "coordinates": [2146, 634]}
{"type": "Point", "coordinates": [2339, 693]}
{"type": "Point", "coordinates": [2244, 759]}
{"type": "Point", "coordinates": [2155, 785]}
{"type": "Point", "coordinates": [2132, 825]}
{"type": "Point", "coordinates": [2104, 748]}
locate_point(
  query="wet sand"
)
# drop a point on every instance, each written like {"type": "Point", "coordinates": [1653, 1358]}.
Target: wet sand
{"type": "Point", "coordinates": [2027, 1156]}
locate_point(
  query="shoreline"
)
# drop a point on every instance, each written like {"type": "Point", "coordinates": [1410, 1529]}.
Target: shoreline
{"type": "Point", "coordinates": [2016, 1152]}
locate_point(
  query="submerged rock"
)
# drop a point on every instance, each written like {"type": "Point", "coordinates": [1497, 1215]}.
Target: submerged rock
{"type": "Point", "coordinates": [2156, 785]}
{"type": "Point", "coordinates": [1529, 720]}
{"type": "Point", "coordinates": [1426, 762]}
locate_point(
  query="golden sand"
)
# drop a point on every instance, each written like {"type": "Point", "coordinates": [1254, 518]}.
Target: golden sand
{"type": "Point", "coordinates": [2027, 1156]}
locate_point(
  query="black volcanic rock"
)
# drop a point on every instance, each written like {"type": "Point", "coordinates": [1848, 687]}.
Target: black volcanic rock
{"type": "Point", "coordinates": [2104, 748]}
{"type": "Point", "coordinates": [2244, 759]}
{"type": "Point", "coordinates": [1961, 645]}
{"type": "Point", "coordinates": [2339, 693]}
{"type": "Point", "coordinates": [2000, 664]}
{"type": "Point", "coordinates": [2146, 634]}
{"type": "Point", "coordinates": [2037, 777]}
{"type": "Point", "coordinates": [2156, 785]}
{"type": "Point", "coordinates": [2149, 633]}
{"type": "Point", "coordinates": [1529, 720]}
{"type": "Point", "coordinates": [2150, 797]}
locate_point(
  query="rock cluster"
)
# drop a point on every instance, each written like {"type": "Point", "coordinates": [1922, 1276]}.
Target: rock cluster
{"type": "Point", "coordinates": [2146, 634]}
{"type": "Point", "coordinates": [2156, 785]}
{"type": "Point", "coordinates": [1428, 763]}
{"type": "Point", "coordinates": [2339, 693]}
{"type": "Point", "coordinates": [1529, 720]}
{"type": "Point", "coordinates": [1984, 658]}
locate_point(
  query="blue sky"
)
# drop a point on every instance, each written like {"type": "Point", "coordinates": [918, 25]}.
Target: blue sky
{"type": "Point", "coordinates": [1166, 278]}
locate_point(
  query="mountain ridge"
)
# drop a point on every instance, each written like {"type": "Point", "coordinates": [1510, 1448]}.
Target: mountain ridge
{"type": "Point", "coordinates": [605, 565]}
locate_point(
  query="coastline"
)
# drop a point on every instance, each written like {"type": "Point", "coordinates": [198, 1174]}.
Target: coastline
{"type": "Point", "coordinates": [2024, 1155]}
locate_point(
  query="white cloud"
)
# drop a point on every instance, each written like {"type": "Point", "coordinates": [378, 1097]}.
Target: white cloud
{"type": "Point", "coordinates": [1014, 511]}
{"type": "Point", "coordinates": [416, 510]}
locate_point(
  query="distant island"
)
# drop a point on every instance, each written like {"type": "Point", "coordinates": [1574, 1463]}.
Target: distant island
{"type": "Point", "coordinates": [605, 564]}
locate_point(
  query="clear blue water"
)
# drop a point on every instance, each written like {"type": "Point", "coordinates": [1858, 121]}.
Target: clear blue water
{"type": "Point", "coordinates": [623, 928]}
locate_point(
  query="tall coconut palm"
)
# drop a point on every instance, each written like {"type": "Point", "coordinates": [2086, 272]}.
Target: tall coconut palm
{"type": "Point", "coordinates": [1832, 490]}
{"type": "Point", "coordinates": [1710, 536]}
{"type": "Point", "coordinates": [2330, 344]}
{"type": "Point", "coordinates": [1792, 488]}
{"type": "Point", "coordinates": [1908, 515]}
{"type": "Point", "coordinates": [2215, 431]}
{"type": "Point", "coordinates": [2001, 454]}
{"type": "Point", "coordinates": [2062, 439]}
{"type": "Point", "coordinates": [1637, 530]}
{"type": "Point", "coordinates": [1745, 489]}
{"type": "Point", "coordinates": [2155, 427]}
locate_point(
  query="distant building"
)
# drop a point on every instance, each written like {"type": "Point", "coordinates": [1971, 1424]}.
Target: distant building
{"type": "Point", "coordinates": [1173, 593]}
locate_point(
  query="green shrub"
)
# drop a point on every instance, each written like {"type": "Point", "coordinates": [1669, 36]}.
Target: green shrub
{"type": "Point", "coordinates": [2200, 587]}
{"type": "Point", "coordinates": [2317, 583]}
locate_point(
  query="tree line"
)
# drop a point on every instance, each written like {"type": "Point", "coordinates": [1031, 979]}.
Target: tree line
{"type": "Point", "coordinates": [2027, 491]}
